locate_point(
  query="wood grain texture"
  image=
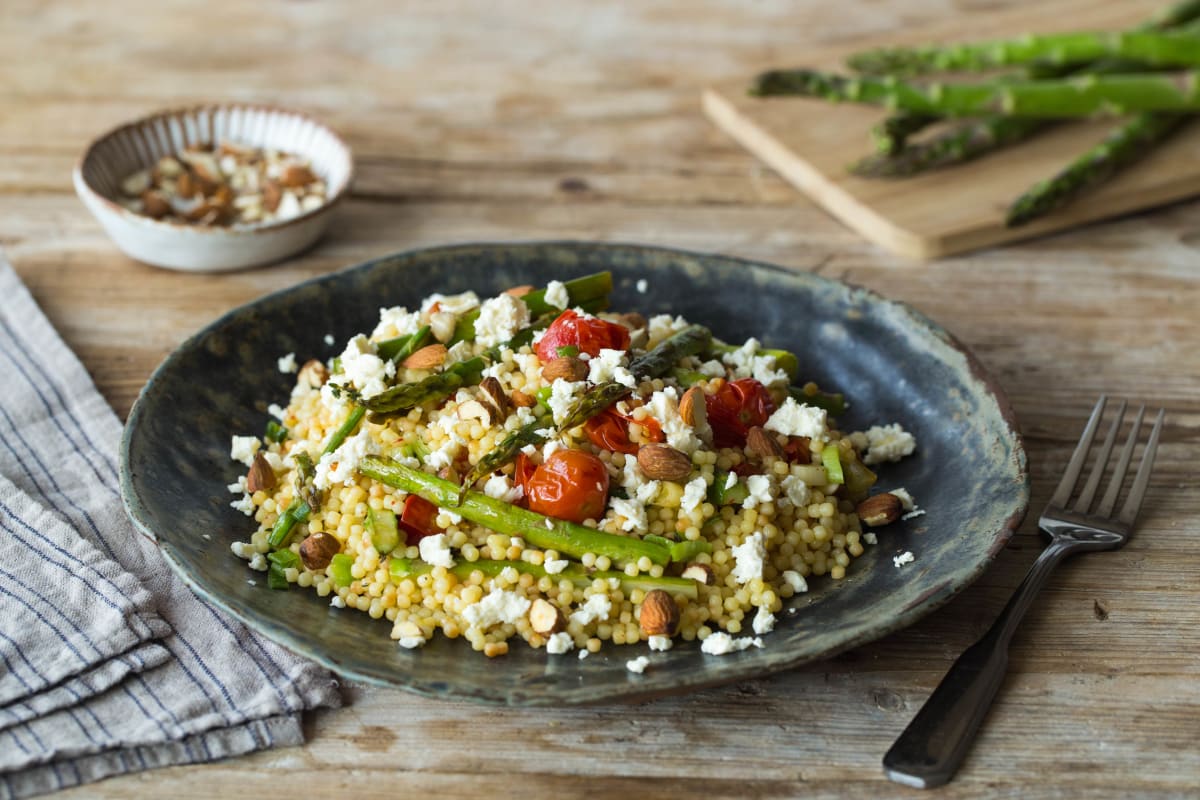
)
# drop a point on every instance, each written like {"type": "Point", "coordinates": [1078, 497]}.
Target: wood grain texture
{"type": "Point", "coordinates": [811, 142]}
{"type": "Point", "coordinates": [470, 121]}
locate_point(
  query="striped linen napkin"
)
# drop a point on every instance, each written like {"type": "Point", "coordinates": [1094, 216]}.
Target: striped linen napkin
{"type": "Point", "coordinates": [108, 663]}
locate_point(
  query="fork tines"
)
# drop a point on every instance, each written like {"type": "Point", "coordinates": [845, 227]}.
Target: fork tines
{"type": "Point", "coordinates": [1083, 503]}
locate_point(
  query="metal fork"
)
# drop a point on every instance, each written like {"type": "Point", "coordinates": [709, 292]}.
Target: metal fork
{"type": "Point", "coordinates": [931, 748]}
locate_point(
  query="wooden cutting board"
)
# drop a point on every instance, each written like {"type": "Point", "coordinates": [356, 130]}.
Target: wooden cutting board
{"type": "Point", "coordinates": [810, 142]}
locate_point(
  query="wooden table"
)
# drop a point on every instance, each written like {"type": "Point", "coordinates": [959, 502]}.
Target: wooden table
{"type": "Point", "coordinates": [470, 121]}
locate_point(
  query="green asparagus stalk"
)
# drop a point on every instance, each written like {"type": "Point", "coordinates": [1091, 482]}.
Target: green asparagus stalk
{"type": "Point", "coordinates": [540, 531]}
{"type": "Point", "coordinates": [1155, 49]}
{"type": "Point", "coordinates": [401, 568]}
{"type": "Point", "coordinates": [306, 489]}
{"type": "Point", "coordinates": [657, 362]}
{"type": "Point", "coordinates": [297, 511]}
{"type": "Point", "coordinates": [1125, 145]}
{"type": "Point", "coordinates": [891, 135]}
{"type": "Point", "coordinates": [1174, 15]}
{"type": "Point", "coordinates": [965, 142]}
{"type": "Point", "coordinates": [402, 347]}
{"type": "Point", "coordinates": [1082, 96]}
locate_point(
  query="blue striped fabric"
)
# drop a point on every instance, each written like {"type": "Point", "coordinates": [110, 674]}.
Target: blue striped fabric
{"type": "Point", "coordinates": [108, 663]}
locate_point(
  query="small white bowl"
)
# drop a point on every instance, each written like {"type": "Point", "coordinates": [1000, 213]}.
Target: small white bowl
{"type": "Point", "coordinates": [193, 248]}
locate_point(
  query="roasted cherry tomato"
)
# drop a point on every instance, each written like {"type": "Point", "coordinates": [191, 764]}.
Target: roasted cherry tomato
{"type": "Point", "coordinates": [735, 408]}
{"type": "Point", "coordinates": [570, 485]}
{"type": "Point", "coordinates": [418, 519]}
{"type": "Point", "coordinates": [587, 334]}
{"type": "Point", "coordinates": [522, 471]}
{"type": "Point", "coordinates": [609, 430]}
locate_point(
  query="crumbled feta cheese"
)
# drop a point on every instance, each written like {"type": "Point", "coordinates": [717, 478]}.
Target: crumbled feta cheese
{"type": "Point", "coordinates": [638, 664]}
{"type": "Point", "coordinates": [337, 602]}
{"type": "Point", "coordinates": [663, 406]}
{"type": "Point", "coordinates": [660, 326]}
{"type": "Point", "coordinates": [597, 607]}
{"type": "Point", "coordinates": [245, 505]}
{"type": "Point", "coordinates": [453, 303]}
{"type": "Point", "coordinates": [888, 443]}
{"type": "Point", "coordinates": [274, 461]}
{"type": "Point", "coordinates": [870, 538]}
{"type": "Point", "coordinates": [459, 351]}
{"type": "Point", "coordinates": [277, 411]}
{"type": "Point", "coordinates": [556, 294]}
{"type": "Point", "coordinates": [633, 512]}
{"type": "Point", "coordinates": [444, 456]}
{"type": "Point", "coordinates": [259, 562]}
{"type": "Point", "coordinates": [501, 488]}
{"type": "Point", "coordinates": [243, 448]}
{"type": "Point", "coordinates": [240, 549]}
{"type": "Point", "coordinates": [907, 502]}
{"type": "Point", "coordinates": [795, 580]}
{"type": "Point", "coordinates": [563, 396]}
{"type": "Point", "coordinates": [731, 480]}
{"type": "Point", "coordinates": [641, 286]}
{"type": "Point", "coordinates": [764, 621]}
{"type": "Point", "coordinates": [333, 399]}
{"type": "Point", "coordinates": [760, 490]}
{"type": "Point", "coordinates": [288, 363]}
{"type": "Point", "coordinates": [559, 643]}
{"type": "Point", "coordinates": [435, 550]}
{"type": "Point", "coordinates": [411, 642]}
{"type": "Point", "coordinates": [610, 365]}
{"type": "Point", "coordinates": [693, 495]}
{"type": "Point", "coordinates": [798, 419]}
{"type": "Point", "coordinates": [904, 558]}
{"type": "Point", "coordinates": [238, 486]}
{"type": "Point", "coordinates": [721, 643]}
{"type": "Point", "coordinates": [498, 607]}
{"type": "Point", "coordinates": [499, 320]}
{"type": "Point", "coordinates": [795, 490]}
{"type": "Point", "coordinates": [712, 369]}
{"type": "Point", "coordinates": [746, 363]}
{"type": "Point", "coordinates": [555, 565]}
{"type": "Point", "coordinates": [366, 370]}
{"type": "Point", "coordinates": [339, 466]}
{"type": "Point", "coordinates": [660, 643]}
{"type": "Point", "coordinates": [916, 512]}
{"type": "Point", "coordinates": [396, 321]}
{"type": "Point", "coordinates": [329, 340]}
{"type": "Point", "coordinates": [749, 557]}
{"type": "Point", "coordinates": [583, 654]}
{"type": "Point", "coordinates": [636, 483]}
{"type": "Point", "coordinates": [550, 448]}
{"type": "Point", "coordinates": [442, 325]}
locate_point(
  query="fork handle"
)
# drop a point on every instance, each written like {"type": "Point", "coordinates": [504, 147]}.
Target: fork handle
{"type": "Point", "coordinates": [931, 748]}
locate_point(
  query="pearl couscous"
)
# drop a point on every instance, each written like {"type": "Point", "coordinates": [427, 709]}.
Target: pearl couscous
{"type": "Point", "coordinates": [690, 508]}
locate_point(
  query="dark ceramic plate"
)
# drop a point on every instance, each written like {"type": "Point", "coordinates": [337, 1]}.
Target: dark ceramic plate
{"type": "Point", "coordinates": [969, 472]}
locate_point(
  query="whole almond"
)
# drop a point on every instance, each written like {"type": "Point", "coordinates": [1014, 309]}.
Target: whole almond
{"type": "Point", "coordinates": [272, 195]}
{"type": "Point", "coordinates": [691, 407]}
{"type": "Point", "coordinates": [880, 509]}
{"type": "Point", "coordinates": [185, 187]}
{"type": "Point", "coordinates": [318, 549]}
{"type": "Point", "coordinates": [762, 444]}
{"type": "Point", "coordinates": [522, 400]}
{"type": "Point", "coordinates": [545, 617]}
{"type": "Point", "coordinates": [474, 409]}
{"type": "Point", "coordinates": [154, 204]}
{"type": "Point", "coordinates": [296, 175]}
{"type": "Point", "coordinates": [495, 392]}
{"type": "Point", "coordinates": [567, 368]}
{"type": "Point", "coordinates": [428, 357]}
{"type": "Point", "coordinates": [700, 573]}
{"type": "Point", "coordinates": [260, 477]}
{"type": "Point", "coordinates": [661, 462]}
{"type": "Point", "coordinates": [660, 614]}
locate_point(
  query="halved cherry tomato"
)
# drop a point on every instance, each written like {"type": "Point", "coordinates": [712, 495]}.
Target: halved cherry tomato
{"type": "Point", "coordinates": [609, 430]}
{"type": "Point", "coordinates": [570, 485]}
{"type": "Point", "coordinates": [735, 408]}
{"type": "Point", "coordinates": [418, 519]}
{"type": "Point", "coordinates": [587, 334]}
{"type": "Point", "coordinates": [522, 471]}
